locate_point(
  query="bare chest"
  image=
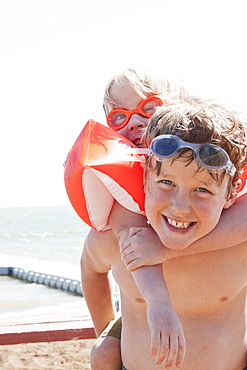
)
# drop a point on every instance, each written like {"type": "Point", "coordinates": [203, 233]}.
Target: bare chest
{"type": "Point", "coordinates": [207, 280]}
{"type": "Point", "coordinates": [199, 283]}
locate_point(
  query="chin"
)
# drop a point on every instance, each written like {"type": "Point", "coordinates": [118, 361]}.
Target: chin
{"type": "Point", "coordinates": [176, 245]}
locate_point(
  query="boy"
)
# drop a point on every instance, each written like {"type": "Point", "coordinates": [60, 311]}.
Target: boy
{"type": "Point", "coordinates": [126, 90]}
{"type": "Point", "coordinates": [207, 297]}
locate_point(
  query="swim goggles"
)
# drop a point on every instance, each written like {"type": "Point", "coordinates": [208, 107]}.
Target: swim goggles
{"type": "Point", "coordinates": [208, 155]}
{"type": "Point", "coordinates": [118, 118]}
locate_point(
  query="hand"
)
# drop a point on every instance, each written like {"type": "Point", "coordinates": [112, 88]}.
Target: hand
{"type": "Point", "coordinates": [167, 338]}
{"type": "Point", "coordinates": [142, 248]}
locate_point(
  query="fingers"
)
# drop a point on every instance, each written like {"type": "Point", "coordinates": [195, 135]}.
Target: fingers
{"type": "Point", "coordinates": [126, 251]}
{"type": "Point", "coordinates": [131, 262]}
{"type": "Point", "coordinates": [159, 349]}
{"type": "Point", "coordinates": [127, 242]}
{"type": "Point", "coordinates": [131, 259]}
{"type": "Point", "coordinates": [124, 245]}
{"type": "Point", "coordinates": [176, 353]}
{"type": "Point", "coordinates": [128, 254]}
{"type": "Point", "coordinates": [131, 250]}
{"type": "Point", "coordinates": [168, 350]}
{"type": "Point", "coordinates": [135, 264]}
{"type": "Point", "coordinates": [181, 351]}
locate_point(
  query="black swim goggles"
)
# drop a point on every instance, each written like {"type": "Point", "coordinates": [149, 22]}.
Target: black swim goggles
{"type": "Point", "coordinates": [208, 155]}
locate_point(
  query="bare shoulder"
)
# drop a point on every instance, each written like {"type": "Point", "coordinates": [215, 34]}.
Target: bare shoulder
{"type": "Point", "coordinates": [100, 250]}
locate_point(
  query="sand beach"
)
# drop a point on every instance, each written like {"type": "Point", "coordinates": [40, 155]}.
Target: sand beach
{"type": "Point", "coordinates": [69, 355]}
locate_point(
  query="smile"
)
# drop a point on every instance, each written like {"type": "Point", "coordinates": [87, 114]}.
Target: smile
{"type": "Point", "coordinates": [179, 225]}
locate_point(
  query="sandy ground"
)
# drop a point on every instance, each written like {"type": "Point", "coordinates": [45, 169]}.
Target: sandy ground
{"type": "Point", "coordinates": [69, 355]}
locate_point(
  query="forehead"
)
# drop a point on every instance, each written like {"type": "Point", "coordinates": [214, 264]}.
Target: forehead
{"type": "Point", "coordinates": [125, 95]}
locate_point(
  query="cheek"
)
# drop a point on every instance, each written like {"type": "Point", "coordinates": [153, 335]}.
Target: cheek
{"type": "Point", "coordinates": [123, 131]}
{"type": "Point", "coordinates": [210, 213]}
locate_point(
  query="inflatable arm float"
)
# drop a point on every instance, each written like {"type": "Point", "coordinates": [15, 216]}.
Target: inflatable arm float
{"type": "Point", "coordinates": [99, 168]}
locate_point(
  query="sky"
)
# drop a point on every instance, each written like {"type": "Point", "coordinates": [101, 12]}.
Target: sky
{"type": "Point", "coordinates": [56, 56]}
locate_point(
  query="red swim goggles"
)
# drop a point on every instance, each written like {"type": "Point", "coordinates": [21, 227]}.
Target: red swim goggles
{"type": "Point", "coordinates": [118, 118]}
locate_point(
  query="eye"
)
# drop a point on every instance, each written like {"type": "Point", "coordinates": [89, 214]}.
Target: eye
{"type": "Point", "coordinates": [166, 182]}
{"type": "Point", "coordinates": [150, 110]}
{"type": "Point", "coordinates": [151, 106]}
{"type": "Point", "coordinates": [203, 190]}
{"type": "Point", "coordinates": [117, 117]}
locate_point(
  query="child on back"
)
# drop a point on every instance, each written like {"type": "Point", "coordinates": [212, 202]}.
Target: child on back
{"type": "Point", "coordinates": [208, 289]}
{"type": "Point", "coordinates": [127, 91]}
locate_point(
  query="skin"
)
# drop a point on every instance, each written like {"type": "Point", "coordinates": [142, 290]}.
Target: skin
{"type": "Point", "coordinates": [208, 291]}
{"type": "Point", "coordinates": [177, 209]}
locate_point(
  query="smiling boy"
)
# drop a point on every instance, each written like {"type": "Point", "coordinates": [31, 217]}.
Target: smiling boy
{"type": "Point", "coordinates": [186, 191]}
{"type": "Point", "coordinates": [180, 198]}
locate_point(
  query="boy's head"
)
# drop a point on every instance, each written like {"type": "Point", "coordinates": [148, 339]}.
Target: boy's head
{"type": "Point", "coordinates": [132, 96]}
{"type": "Point", "coordinates": [187, 188]}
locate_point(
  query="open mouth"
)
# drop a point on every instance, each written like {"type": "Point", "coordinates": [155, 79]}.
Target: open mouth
{"type": "Point", "coordinates": [179, 225]}
{"type": "Point", "coordinates": [137, 142]}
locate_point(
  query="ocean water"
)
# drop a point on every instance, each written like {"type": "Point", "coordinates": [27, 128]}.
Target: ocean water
{"type": "Point", "coordinates": [42, 239]}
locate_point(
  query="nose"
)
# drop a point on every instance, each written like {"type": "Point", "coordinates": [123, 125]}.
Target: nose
{"type": "Point", "coordinates": [137, 122]}
{"type": "Point", "coordinates": [180, 205]}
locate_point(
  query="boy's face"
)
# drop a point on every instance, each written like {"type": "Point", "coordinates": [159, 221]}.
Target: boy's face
{"type": "Point", "coordinates": [128, 98]}
{"type": "Point", "coordinates": [183, 204]}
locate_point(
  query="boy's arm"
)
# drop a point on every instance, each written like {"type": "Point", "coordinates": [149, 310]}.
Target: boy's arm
{"type": "Point", "coordinates": [96, 283]}
{"type": "Point", "coordinates": [230, 230]}
{"type": "Point", "coordinates": [166, 329]}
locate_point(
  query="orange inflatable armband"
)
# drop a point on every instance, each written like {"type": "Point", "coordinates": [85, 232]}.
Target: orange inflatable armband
{"type": "Point", "coordinates": [98, 170]}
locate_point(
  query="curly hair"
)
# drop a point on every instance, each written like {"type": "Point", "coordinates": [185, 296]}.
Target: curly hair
{"type": "Point", "coordinates": [198, 121]}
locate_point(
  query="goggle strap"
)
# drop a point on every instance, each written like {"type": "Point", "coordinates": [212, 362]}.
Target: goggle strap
{"type": "Point", "coordinates": [140, 151]}
{"type": "Point", "coordinates": [230, 168]}
{"type": "Point", "coordinates": [131, 154]}
{"type": "Point", "coordinates": [132, 158]}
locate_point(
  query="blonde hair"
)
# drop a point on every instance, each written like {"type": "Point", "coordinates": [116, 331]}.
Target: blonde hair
{"type": "Point", "coordinates": [199, 121]}
{"type": "Point", "coordinates": [145, 83]}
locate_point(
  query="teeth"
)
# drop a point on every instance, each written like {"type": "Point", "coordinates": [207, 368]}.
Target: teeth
{"type": "Point", "coordinates": [179, 225]}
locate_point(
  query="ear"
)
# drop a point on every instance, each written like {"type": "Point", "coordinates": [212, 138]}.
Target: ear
{"type": "Point", "coordinates": [232, 196]}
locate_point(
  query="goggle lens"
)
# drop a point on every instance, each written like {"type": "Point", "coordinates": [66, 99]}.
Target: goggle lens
{"type": "Point", "coordinates": [118, 118]}
{"type": "Point", "coordinates": [166, 147]}
{"type": "Point", "coordinates": [212, 156]}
